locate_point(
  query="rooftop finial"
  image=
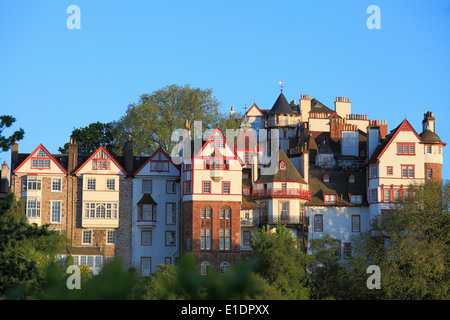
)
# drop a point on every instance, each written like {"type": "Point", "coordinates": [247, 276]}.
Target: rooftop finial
{"type": "Point", "coordinates": [281, 85]}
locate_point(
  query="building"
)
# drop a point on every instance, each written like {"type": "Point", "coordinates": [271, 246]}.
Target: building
{"type": "Point", "coordinates": [314, 169]}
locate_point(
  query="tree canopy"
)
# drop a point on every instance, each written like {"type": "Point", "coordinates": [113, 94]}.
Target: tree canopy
{"type": "Point", "coordinates": [6, 142]}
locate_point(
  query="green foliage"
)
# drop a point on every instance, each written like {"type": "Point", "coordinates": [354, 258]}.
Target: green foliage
{"type": "Point", "coordinates": [90, 138]}
{"type": "Point", "coordinates": [152, 120]}
{"type": "Point", "coordinates": [25, 251]}
{"type": "Point", "coordinates": [282, 263]}
{"type": "Point", "coordinates": [411, 246]}
{"type": "Point", "coordinates": [6, 142]}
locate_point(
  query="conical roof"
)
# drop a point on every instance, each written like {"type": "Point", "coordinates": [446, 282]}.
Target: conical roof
{"type": "Point", "coordinates": [429, 136]}
{"type": "Point", "coordinates": [281, 106]}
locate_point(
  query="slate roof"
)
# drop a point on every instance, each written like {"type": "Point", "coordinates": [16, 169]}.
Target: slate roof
{"type": "Point", "coordinates": [338, 184]}
{"type": "Point", "coordinates": [146, 199]}
{"type": "Point", "coordinates": [281, 106]}
{"type": "Point", "coordinates": [317, 106]}
{"type": "Point", "coordinates": [290, 174]}
{"type": "Point", "coordinates": [430, 136]}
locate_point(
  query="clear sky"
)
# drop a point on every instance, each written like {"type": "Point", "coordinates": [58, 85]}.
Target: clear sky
{"type": "Point", "coordinates": [54, 79]}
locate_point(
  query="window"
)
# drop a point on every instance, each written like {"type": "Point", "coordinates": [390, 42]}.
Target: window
{"type": "Point", "coordinates": [147, 212]}
{"type": "Point", "coordinates": [225, 187]}
{"type": "Point", "coordinates": [147, 186]}
{"type": "Point", "coordinates": [159, 163]}
{"type": "Point", "coordinates": [246, 236]}
{"type": "Point", "coordinates": [224, 267]}
{"type": "Point", "coordinates": [101, 164]}
{"type": "Point", "coordinates": [246, 191]}
{"type": "Point", "coordinates": [387, 195]}
{"type": "Point", "coordinates": [373, 171]}
{"type": "Point", "coordinates": [284, 185]}
{"type": "Point", "coordinates": [439, 150]}
{"type": "Point", "coordinates": [33, 208]}
{"type": "Point", "coordinates": [326, 178]}
{"type": "Point", "coordinates": [91, 184]}
{"type": "Point", "coordinates": [146, 263]}
{"type": "Point", "coordinates": [40, 160]}
{"type": "Point", "coordinates": [111, 237]}
{"type": "Point", "coordinates": [206, 187]}
{"type": "Point", "coordinates": [170, 213]}
{"type": "Point", "coordinates": [284, 216]}
{"type": "Point", "coordinates": [247, 157]}
{"type": "Point", "coordinates": [225, 213]}
{"type": "Point", "coordinates": [282, 165]}
{"type": "Point", "coordinates": [170, 186]}
{"type": "Point", "coordinates": [337, 253]}
{"type": "Point", "coordinates": [206, 213]}
{"type": "Point", "coordinates": [146, 238]}
{"type": "Point", "coordinates": [204, 268]}
{"type": "Point", "coordinates": [56, 184]}
{"type": "Point", "coordinates": [87, 237]}
{"type": "Point", "coordinates": [330, 198]}
{"type": "Point", "coordinates": [356, 223]}
{"type": "Point", "coordinates": [428, 149]}
{"type": "Point", "coordinates": [374, 195]}
{"type": "Point", "coordinates": [110, 184]}
{"type": "Point", "coordinates": [397, 195]}
{"type": "Point", "coordinates": [405, 149]}
{"type": "Point", "coordinates": [430, 173]}
{"type": "Point", "coordinates": [225, 239]}
{"type": "Point", "coordinates": [351, 179]}
{"type": "Point", "coordinates": [389, 171]}
{"type": "Point", "coordinates": [31, 183]}
{"type": "Point", "coordinates": [55, 211]}
{"type": "Point", "coordinates": [318, 222]}
{"type": "Point", "coordinates": [170, 238]}
{"type": "Point", "coordinates": [407, 171]}
{"type": "Point", "coordinates": [356, 198]}
{"type": "Point", "coordinates": [167, 260]}
{"type": "Point", "coordinates": [205, 239]}
{"type": "Point", "coordinates": [347, 250]}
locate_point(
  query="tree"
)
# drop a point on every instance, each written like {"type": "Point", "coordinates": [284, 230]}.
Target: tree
{"type": "Point", "coordinates": [90, 138]}
{"type": "Point", "coordinates": [152, 120]}
{"type": "Point", "coordinates": [282, 263]}
{"type": "Point", "coordinates": [410, 245]}
{"type": "Point", "coordinates": [25, 250]}
{"type": "Point", "coordinates": [6, 142]}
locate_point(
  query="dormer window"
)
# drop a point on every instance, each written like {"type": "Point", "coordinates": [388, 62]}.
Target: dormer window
{"type": "Point", "coordinates": [326, 178]}
{"type": "Point", "coordinates": [40, 160]}
{"type": "Point", "coordinates": [351, 179]}
{"type": "Point", "coordinates": [246, 191]}
{"type": "Point", "coordinates": [282, 165]}
{"type": "Point", "coordinates": [330, 198]}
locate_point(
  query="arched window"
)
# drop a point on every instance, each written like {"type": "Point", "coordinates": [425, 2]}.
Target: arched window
{"type": "Point", "coordinates": [206, 213]}
{"type": "Point", "coordinates": [204, 268]}
{"type": "Point", "coordinates": [100, 211]}
{"type": "Point", "coordinates": [225, 213]}
{"type": "Point", "coordinates": [224, 267]}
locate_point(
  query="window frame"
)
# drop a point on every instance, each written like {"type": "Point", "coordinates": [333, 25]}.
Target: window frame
{"type": "Point", "coordinates": [408, 146]}
{"type": "Point", "coordinates": [52, 213]}
{"type": "Point", "coordinates": [356, 225]}
{"type": "Point", "coordinates": [203, 187]}
{"type": "Point", "coordinates": [320, 218]}
{"type": "Point", "coordinates": [53, 180]}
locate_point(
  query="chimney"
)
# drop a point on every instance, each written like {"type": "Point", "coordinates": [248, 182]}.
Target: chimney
{"type": "Point", "coordinates": [4, 179]}
{"type": "Point", "coordinates": [373, 138]}
{"type": "Point", "coordinates": [14, 155]}
{"type": "Point", "coordinates": [306, 165]}
{"type": "Point", "coordinates": [428, 121]}
{"type": "Point", "coordinates": [305, 107]}
{"type": "Point", "coordinates": [343, 106]}
{"type": "Point", "coordinates": [232, 112]}
{"type": "Point", "coordinates": [127, 152]}
{"type": "Point", "coordinates": [73, 156]}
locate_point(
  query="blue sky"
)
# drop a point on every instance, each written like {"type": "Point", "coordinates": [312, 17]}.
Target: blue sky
{"type": "Point", "coordinates": [53, 79]}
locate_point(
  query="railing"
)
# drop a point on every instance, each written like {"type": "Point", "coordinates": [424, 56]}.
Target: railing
{"type": "Point", "coordinates": [256, 221]}
{"type": "Point", "coordinates": [282, 192]}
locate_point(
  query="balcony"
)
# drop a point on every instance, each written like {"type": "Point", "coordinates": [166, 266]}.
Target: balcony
{"type": "Point", "coordinates": [281, 193]}
{"type": "Point", "coordinates": [144, 224]}
{"type": "Point", "coordinates": [256, 221]}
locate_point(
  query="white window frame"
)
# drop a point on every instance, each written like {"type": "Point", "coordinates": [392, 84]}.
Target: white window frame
{"type": "Point", "coordinates": [84, 237]}
{"type": "Point", "coordinates": [54, 180]}
{"type": "Point", "coordinates": [36, 208]}
{"type": "Point", "coordinates": [89, 184]}
{"type": "Point", "coordinates": [111, 184]}
{"type": "Point", "coordinates": [111, 237]}
{"type": "Point", "coordinates": [147, 186]}
{"type": "Point", "coordinates": [52, 212]}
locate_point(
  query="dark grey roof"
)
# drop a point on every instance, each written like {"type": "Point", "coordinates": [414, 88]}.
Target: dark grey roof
{"type": "Point", "coordinates": [317, 106]}
{"type": "Point", "coordinates": [281, 106]}
{"type": "Point", "coordinates": [430, 136]}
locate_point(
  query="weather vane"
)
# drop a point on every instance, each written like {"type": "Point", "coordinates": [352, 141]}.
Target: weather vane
{"type": "Point", "coordinates": [281, 85]}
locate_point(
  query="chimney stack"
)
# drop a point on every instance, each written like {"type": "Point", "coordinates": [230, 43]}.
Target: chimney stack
{"type": "Point", "coordinates": [127, 152]}
{"type": "Point", "coordinates": [4, 179]}
{"type": "Point", "coordinates": [73, 156]}
{"type": "Point", "coordinates": [14, 155]}
{"type": "Point", "coordinates": [428, 121]}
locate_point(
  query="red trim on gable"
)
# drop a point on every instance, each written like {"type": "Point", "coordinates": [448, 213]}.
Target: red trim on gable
{"type": "Point", "coordinates": [404, 126]}
{"type": "Point", "coordinates": [48, 153]}
{"type": "Point", "coordinates": [110, 157]}
{"type": "Point", "coordinates": [226, 143]}
{"type": "Point", "coordinates": [159, 150]}
{"type": "Point", "coordinates": [255, 106]}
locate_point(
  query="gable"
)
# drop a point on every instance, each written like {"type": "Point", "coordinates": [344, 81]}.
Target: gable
{"type": "Point", "coordinates": [158, 163]}
{"type": "Point", "coordinates": [100, 162]}
{"type": "Point", "coordinates": [40, 161]}
{"type": "Point", "coordinates": [254, 111]}
{"type": "Point", "coordinates": [217, 146]}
